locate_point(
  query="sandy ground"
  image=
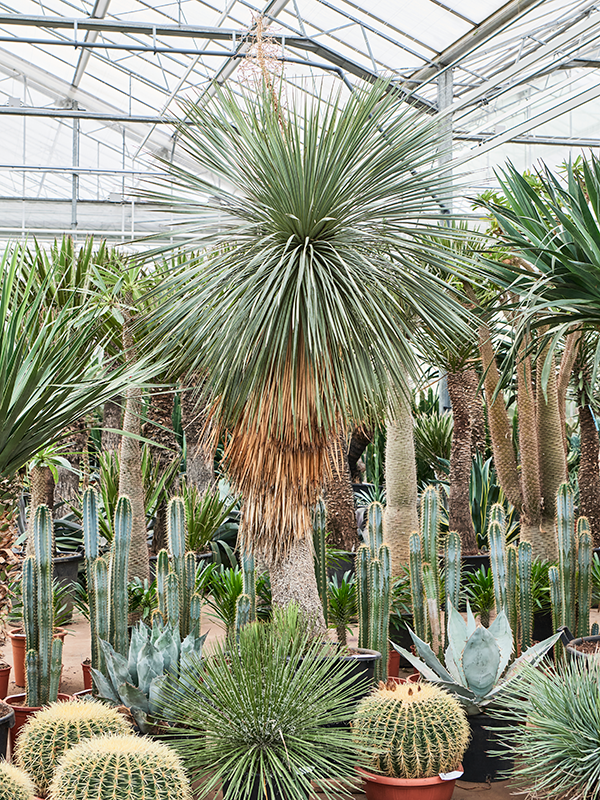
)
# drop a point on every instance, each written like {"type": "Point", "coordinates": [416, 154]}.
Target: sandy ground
{"type": "Point", "coordinates": [77, 648]}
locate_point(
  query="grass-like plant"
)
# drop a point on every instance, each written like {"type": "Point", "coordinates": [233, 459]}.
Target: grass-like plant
{"type": "Point", "coordinates": [270, 710]}
{"type": "Point", "coordinates": [479, 588]}
{"type": "Point", "coordinates": [556, 736]}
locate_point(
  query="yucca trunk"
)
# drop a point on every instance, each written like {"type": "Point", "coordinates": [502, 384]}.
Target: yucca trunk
{"type": "Point", "coordinates": [460, 389]}
{"type": "Point", "coordinates": [339, 499]}
{"type": "Point", "coordinates": [293, 580]}
{"type": "Point", "coordinates": [112, 418]}
{"type": "Point", "coordinates": [528, 449]}
{"type": "Point", "coordinates": [130, 476]}
{"type": "Point", "coordinates": [401, 515]}
{"type": "Point", "coordinates": [200, 452]}
{"type": "Point", "coordinates": [589, 472]}
{"type": "Point", "coordinates": [159, 428]}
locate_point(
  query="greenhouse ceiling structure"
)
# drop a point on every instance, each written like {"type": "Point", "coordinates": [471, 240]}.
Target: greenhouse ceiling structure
{"type": "Point", "coordinates": [89, 90]}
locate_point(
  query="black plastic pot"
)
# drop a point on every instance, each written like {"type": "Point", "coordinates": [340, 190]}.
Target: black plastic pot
{"type": "Point", "coordinates": [473, 563]}
{"type": "Point", "coordinates": [542, 626]}
{"type": "Point", "coordinates": [571, 643]}
{"type": "Point", "coordinates": [7, 720]}
{"type": "Point", "coordinates": [478, 763]}
{"type": "Point", "coordinates": [66, 567]}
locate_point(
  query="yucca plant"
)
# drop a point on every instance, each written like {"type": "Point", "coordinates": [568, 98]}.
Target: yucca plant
{"type": "Point", "coordinates": [319, 253]}
{"type": "Point", "coordinates": [556, 735]}
{"type": "Point", "coordinates": [342, 600]}
{"type": "Point", "coordinates": [284, 696]}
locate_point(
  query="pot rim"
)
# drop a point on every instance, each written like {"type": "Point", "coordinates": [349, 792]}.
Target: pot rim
{"type": "Point", "coordinates": [14, 697]}
{"type": "Point", "coordinates": [572, 646]}
{"type": "Point", "coordinates": [19, 633]}
{"type": "Point", "coordinates": [10, 717]}
{"type": "Point", "coordinates": [385, 779]}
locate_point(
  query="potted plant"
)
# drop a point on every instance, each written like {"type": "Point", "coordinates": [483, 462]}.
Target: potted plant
{"type": "Point", "coordinates": [43, 660]}
{"type": "Point", "coordinates": [476, 673]}
{"type": "Point", "coordinates": [123, 767]}
{"type": "Point", "coordinates": [49, 733]}
{"type": "Point", "coordinates": [283, 698]}
{"type": "Point", "coordinates": [7, 720]}
{"type": "Point", "coordinates": [414, 736]}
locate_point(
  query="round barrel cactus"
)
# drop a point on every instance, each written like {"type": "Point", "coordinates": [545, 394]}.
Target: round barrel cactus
{"type": "Point", "coordinates": [123, 767]}
{"type": "Point", "coordinates": [411, 730]}
{"type": "Point", "coordinates": [14, 783]}
{"type": "Point", "coordinates": [53, 730]}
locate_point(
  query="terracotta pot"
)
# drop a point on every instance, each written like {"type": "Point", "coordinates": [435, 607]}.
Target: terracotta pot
{"type": "Point", "coordinates": [22, 713]}
{"type": "Point", "coordinates": [380, 787]}
{"type": "Point", "coordinates": [414, 678]}
{"type": "Point", "coordinates": [17, 640]}
{"type": "Point", "coordinates": [4, 679]}
{"type": "Point", "coordinates": [393, 663]}
{"type": "Point", "coordinates": [87, 675]}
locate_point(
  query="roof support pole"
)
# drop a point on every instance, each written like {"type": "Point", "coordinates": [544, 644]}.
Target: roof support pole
{"type": "Point", "coordinates": [75, 176]}
{"type": "Point", "coordinates": [445, 97]}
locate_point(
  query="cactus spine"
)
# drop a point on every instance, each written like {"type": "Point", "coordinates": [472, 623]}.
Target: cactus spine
{"type": "Point", "coordinates": [525, 556]}
{"type": "Point", "coordinates": [320, 551]}
{"type": "Point", "coordinates": [39, 613]}
{"type": "Point", "coordinates": [411, 730]}
{"type": "Point", "coordinates": [14, 783]}
{"type": "Point", "coordinates": [89, 505]}
{"type": "Point", "coordinates": [363, 556]}
{"type": "Point", "coordinates": [119, 563]}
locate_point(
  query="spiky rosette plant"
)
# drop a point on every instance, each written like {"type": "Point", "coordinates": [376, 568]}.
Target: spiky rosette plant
{"type": "Point", "coordinates": [52, 731]}
{"type": "Point", "coordinates": [411, 730]}
{"type": "Point", "coordinates": [123, 767]}
{"type": "Point", "coordinates": [14, 783]}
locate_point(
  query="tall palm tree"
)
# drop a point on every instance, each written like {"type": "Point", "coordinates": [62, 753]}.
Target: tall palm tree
{"type": "Point", "coordinates": [318, 219]}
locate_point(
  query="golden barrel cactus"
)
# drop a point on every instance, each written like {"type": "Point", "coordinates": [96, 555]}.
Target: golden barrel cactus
{"type": "Point", "coordinates": [411, 730]}
{"type": "Point", "coordinates": [14, 783]}
{"type": "Point", "coordinates": [53, 730]}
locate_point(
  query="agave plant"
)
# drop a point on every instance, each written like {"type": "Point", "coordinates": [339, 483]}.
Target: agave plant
{"type": "Point", "coordinates": [134, 682]}
{"type": "Point", "coordinates": [476, 659]}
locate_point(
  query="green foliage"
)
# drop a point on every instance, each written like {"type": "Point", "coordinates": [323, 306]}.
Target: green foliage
{"type": "Point", "coordinates": [415, 730]}
{"type": "Point", "coordinates": [119, 561]}
{"type": "Point", "coordinates": [124, 767]}
{"type": "Point", "coordinates": [134, 680]}
{"type": "Point", "coordinates": [14, 783]}
{"type": "Point", "coordinates": [479, 589]}
{"type": "Point", "coordinates": [288, 729]}
{"type": "Point", "coordinates": [342, 601]}
{"type": "Point", "coordinates": [556, 730]}
{"type": "Point", "coordinates": [374, 458]}
{"type": "Point", "coordinates": [476, 659]}
{"type": "Point", "coordinates": [52, 731]}
{"type": "Point", "coordinates": [205, 514]}
{"type": "Point", "coordinates": [484, 493]}
{"type": "Point", "coordinates": [320, 554]}
{"type": "Point", "coordinates": [433, 441]}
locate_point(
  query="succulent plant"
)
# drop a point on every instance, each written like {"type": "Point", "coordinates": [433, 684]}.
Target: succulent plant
{"type": "Point", "coordinates": [124, 767]}
{"type": "Point", "coordinates": [14, 783]}
{"type": "Point", "coordinates": [53, 730]}
{"type": "Point", "coordinates": [320, 550]}
{"type": "Point", "coordinates": [411, 730]}
{"type": "Point", "coordinates": [476, 658]}
{"type": "Point", "coordinates": [134, 681]}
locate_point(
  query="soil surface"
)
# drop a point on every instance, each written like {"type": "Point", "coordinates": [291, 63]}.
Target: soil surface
{"type": "Point", "coordinates": [590, 648]}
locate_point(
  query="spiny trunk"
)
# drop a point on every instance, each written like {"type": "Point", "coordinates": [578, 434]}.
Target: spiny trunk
{"type": "Point", "coordinates": [401, 516]}
{"type": "Point", "coordinates": [339, 499]}
{"type": "Point", "coordinates": [159, 428]}
{"type": "Point", "coordinates": [112, 419]}
{"type": "Point", "coordinates": [567, 362]}
{"type": "Point", "coordinates": [293, 580]}
{"type": "Point", "coordinates": [528, 442]}
{"type": "Point", "coordinates": [499, 424]}
{"type": "Point", "coordinates": [68, 490]}
{"type": "Point", "coordinates": [199, 453]}
{"type": "Point", "coordinates": [41, 484]}
{"type": "Point", "coordinates": [476, 410]}
{"type": "Point", "coordinates": [460, 461]}
{"type": "Point", "coordinates": [589, 471]}
{"type": "Point", "coordinates": [130, 477]}
{"type": "Point", "coordinates": [361, 437]}
{"type": "Point", "coordinates": [553, 461]}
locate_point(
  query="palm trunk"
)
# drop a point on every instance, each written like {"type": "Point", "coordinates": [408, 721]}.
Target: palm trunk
{"type": "Point", "coordinates": [67, 491]}
{"type": "Point", "coordinates": [293, 580]}
{"type": "Point", "coordinates": [361, 437]}
{"type": "Point", "coordinates": [159, 428]}
{"type": "Point", "coordinates": [130, 477]}
{"type": "Point", "coordinates": [589, 472]}
{"type": "Point", "coordinates": [528, 448]}
{"type": "Point", "coordinates": [199, 453]}
{"type": "Point", "coordinates": [459, 388]}
{"type": "Point", "coordinates": [401, 515]}
{"type": "Point", "coordinates": [339, 499]}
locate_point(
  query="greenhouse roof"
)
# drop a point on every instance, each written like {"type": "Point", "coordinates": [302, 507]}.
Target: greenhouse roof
{"type": "Point", "coordinates": [88, 89]}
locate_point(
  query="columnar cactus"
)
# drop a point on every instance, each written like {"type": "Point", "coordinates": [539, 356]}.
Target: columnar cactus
{"type": "Point", "coordinates": [319, 545]}
{"type": "Point", "coordinates": [14, 783]}
{"type": "Point", "coordinates": [119, 564]}
{"type": "Point", "coordinates": [374, 572]}
{"type": "Point", "coordinates": [363, 558]}
{"type": "Point", "coordinates": [243, 612]}
{"type": "Point", "coordinates": [525, 558]}
{"type": "Point", "coordinates": [91, 543]}
{"type": "Point", "coordinates": [50, 732]}
{"type": "Point", "coordinates": [249, 578]}
{"type": "Point", "coordinates": [411, 730]}
{"type": "Point", "coordinates": [43, 658]}
{"type": "Point", "coordinates": [124, 767]}
{"type": "Point", "coordinates": [183, 563]}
